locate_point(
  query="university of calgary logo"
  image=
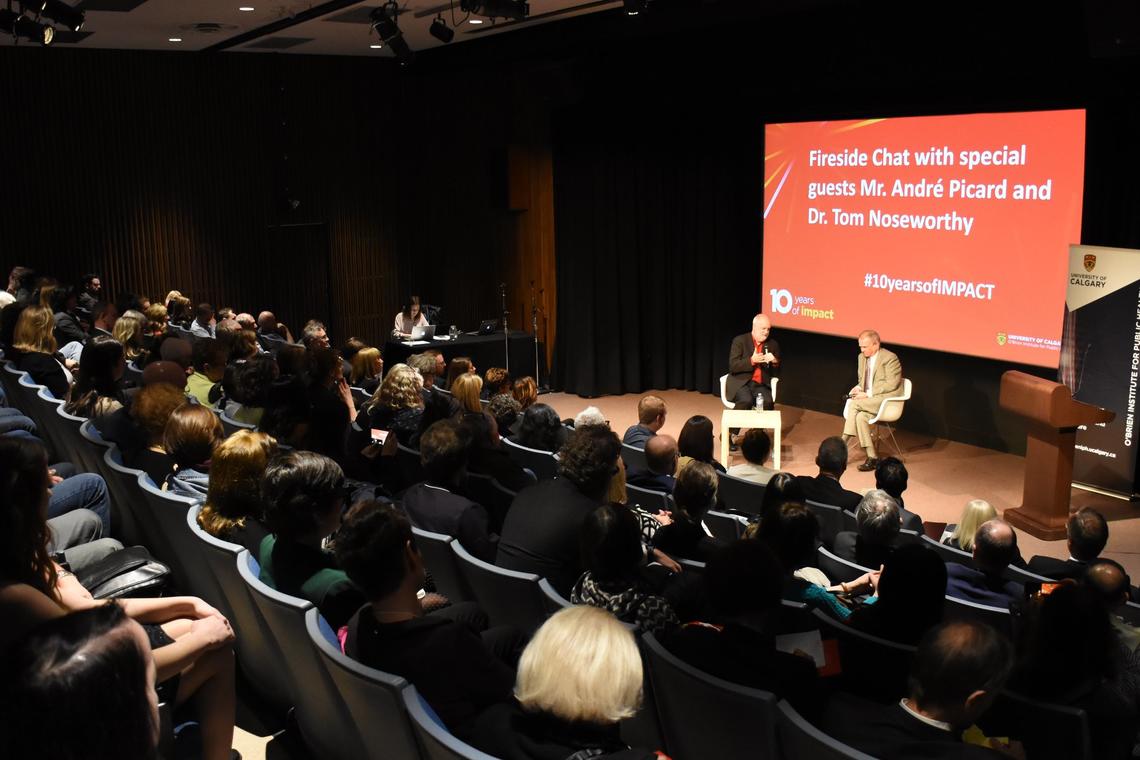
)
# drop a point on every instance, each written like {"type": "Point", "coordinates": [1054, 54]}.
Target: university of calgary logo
{"type": "Point", "coordinates": [1090, 262]}
{"type": "Point", "coordinates": [1001, 338]}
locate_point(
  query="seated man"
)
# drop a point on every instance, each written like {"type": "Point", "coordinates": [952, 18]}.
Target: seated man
{"type": "Point", "coordinates": [1111, 583]}
{"type": "Point", "coordinates": [891, 476]}
{"type": "Point", "coordinates": [209, 369]}
{"type": "Point", "coordinates": [457, 670]}
{"type": "Point", "coordinates": [304, 496]}
{"type": "Point", "coordinates": [540, 534]}
{"type": "Point", "coordinates": [204, 321]}
{"type": "Point", "coordinates": [650, 419]}
{"type": "Point", "coordinates": [995, 546]}
{"type": "Point", "coordinates": [880, 377]}
{"type": "Point", "coordinates": [877, 531]}
{"type": "Point", "coordinates": [736, 641]}
{"type": "Point", "coordinates": [434, 504]}
{"type": "Point", "coordinates": [271, 334]}
{"type": "Point", "coordinates": [1087, 535]}
{"type": "Point", "coordinates": [756, 446]}
{"type": "Point", "coordinates": [824, 488]}
{"type": "Point", "coordinates": [957, 672]}
{"type": "Point", "coordinates": [104, 316]}
{"type": "Point", "coordinates": [661, 456]}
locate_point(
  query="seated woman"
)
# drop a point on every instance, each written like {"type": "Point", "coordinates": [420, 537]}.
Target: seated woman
{"type": "Point", "coordinates": [614, 562]}
{"type": "Point", "coordinates": [332, 409]}
{"type": "Point", "coordinates": [178, 309]}
{"type": "Point", "coordinates": [81, 685]}
{"type": "Point", "coordinates": [486, 455]}
{"type": "Point", "coordinates": [525, 391]}
{"type": "Point", "coordinates": [129, 331]}
{"type": "Point", "coordinates": [410, 316]}
{"type": "Point", "coordinates": [157, 319]}
{"type": "Point", "coordinates": [687, 536]}
{"type": "Point", "coordinates": [541, 429]}
{"type": "Point", "coordinates": [791, 534]}
{"type": "Point", "coordinates": [97, 392]}
{"type": "Point", "coordinates": [460, 365]}
{"type": "Point", "coordinates": [304, 497]}
{"type": "Point", "coordinates": [151, 410]}
{"type": "Point", "coordinates": [246, 389]}
{"type": "Point", "coordinates": [911, 593]}
{"type": "Point", "coordinates": [189, 439]}
{"type": "Point", "coordinates": [234, 509]}
{"type": "Point", "coordinates": [34, 347]}
{"type": "Point", "coordinates": [976, 512]}
{"type": "Point", "coordinates": [696, 443]}
{"type": "Point", "coordinates": [367, 369]}
{"type": "Point", "coordinates": [782, 488]}
{"type": "Point", "coordinates": [396, 406]}
{"type": "Point", "coordinates": [466, 390]}
{"type": "Point", "coordinates": [495, 381]}
{"type": "Point", "coordinates": [506, 412]}
{"type": "Point", "coordinates": [189, 639]}
{"type": "Point", "coordinates": [578, 678]}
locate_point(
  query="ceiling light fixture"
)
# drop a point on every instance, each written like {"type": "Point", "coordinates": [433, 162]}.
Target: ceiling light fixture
{"type": "Point", "coordinates": [512, 9]}
{"type": "Point", "coordinates": [375, 47]}
{"type": "Point", "coordinates": [174, 39]}
{"type": "Point", "coordinates": [384, 22]}
{"type": "Point", "coordinates": [21, 26]}
{"type": "Point", "coordinates": [247, 9]}
{"type": "Point", "coordinates": [475, 21]}
{"type": "Point", "coordinates": [441, 31]}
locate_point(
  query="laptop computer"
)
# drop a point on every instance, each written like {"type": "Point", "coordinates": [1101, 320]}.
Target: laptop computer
{"type": "Point", "coordinates": [423, 332]}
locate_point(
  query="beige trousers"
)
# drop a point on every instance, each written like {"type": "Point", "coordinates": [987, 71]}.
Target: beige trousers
{"type": "Point", "coordinates": [859, 412]}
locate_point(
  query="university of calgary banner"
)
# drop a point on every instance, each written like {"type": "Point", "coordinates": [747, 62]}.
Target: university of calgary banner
{"type": "Point", "coordinates": [1100, 361]}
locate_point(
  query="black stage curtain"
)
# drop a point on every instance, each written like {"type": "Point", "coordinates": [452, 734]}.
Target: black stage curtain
{"type": "Point", "coordinates": [658, 253]}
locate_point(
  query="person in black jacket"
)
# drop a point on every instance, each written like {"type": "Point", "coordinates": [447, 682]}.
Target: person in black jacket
{"type": "Point", "coordinates": [824, 488]}
{"type": "Point", "coordinates": [458, 670]}
{"type": "Point", "coordinates": [34, 349]}
{"type": "Point", "coordinates": [694, 494]}
{"type": "Point", "coordinates": [486, 453]}
{"type": "Point", "coordinates": [1087, 535]}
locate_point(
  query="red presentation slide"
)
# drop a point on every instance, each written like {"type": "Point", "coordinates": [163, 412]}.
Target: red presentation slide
{"type": "Point", "coordinates": [944, 232]}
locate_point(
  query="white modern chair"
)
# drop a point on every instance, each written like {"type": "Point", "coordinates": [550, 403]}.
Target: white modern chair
{"type": "Point", "coordinates": [890, 410]}
{"type": "Point", "coordinates": [724, 399]}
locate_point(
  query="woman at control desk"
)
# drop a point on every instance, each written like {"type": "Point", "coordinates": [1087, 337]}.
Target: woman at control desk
{"type": "Point", "coordinates": [410, 317]}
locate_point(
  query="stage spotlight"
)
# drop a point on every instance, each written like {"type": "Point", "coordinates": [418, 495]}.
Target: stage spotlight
{"type": "Point", "coordinates": [441, 31]}
{"type": "Point", "coordinates": [634, 7]}
{"type": "Point", "coordinates": [20, 26]}
{"type": "Point", "coordinates": [384, 22]}
{"type": "Point", "coordinates": [512, 9]}
{"type": "Point", "coordinates": [63, 14]}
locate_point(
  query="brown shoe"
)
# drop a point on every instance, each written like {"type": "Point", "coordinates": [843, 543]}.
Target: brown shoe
{"type": "Point", "coordinates": [869, 465]}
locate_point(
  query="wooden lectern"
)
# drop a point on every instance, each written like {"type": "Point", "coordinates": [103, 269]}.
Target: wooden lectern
{"type": "Point", "coordinates": [1051, 417]}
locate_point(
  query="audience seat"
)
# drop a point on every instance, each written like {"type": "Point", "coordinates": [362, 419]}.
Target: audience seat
{"type": "Point", "coordinates": [508, 597]}
{"type": "Point", "coordinates": [77, 450]}
{"type": "Point", "coordinates": [724, 526]}
{"type": "Point", "coordinates": [231, 426]}
{"type": "Point", "coordinates": [226, 588]}
{"type": "Point", "coordinates": [554, 600]}
{"type": "Point", "coordinates": [374, 722]}
{"type": "Point", "coordinates": [541, 463]}
{"type": "Point", "coordinates": [849, 521]}
{"type": "Point", "coordinates": [443, 564]}
{"type": "Point", "coordinates": [634, 458]}
{"type": "Point", "coordinates": [318, 705]}
{"type": "Point", "coordinates": [259, 656]}
{"type": "Point", "coordinates": [691, 565]}
{"type": "Point", "coordinates": [164, 521]}
{"type": "Point", "coordinates": [1053, 732]}
{"type": "Point", "coordinates": [739, 494]}
{"type": "Point", "coordinates": [871, 667]}
{"type": "Point", "coordinates": [435, 741]}
{"type": "Point", "coordinates": [32, 405]}
{"type": "Point", "coordinates": [837, 569]}
{"type": "Point", "coordinates": [411, 469]}
{"type": "Point", "coordinates": [948, 553]}
{"type": "Point", "coordinates": [830, 520]}
{"type": "Point", "coordinates": [48, 423]}
{"type": "Point", "coordinates": [124, 502]}
{"type": "Point", "coordinates": [492, 495]}
{"type": "Point", "coordinates": [132, 376]}
{"type": "Point", "coordinates": [800, 739]}
{"type": "Point", "coordinates": [997, 617]}
{"type": "Point", "coordinates": [123, 483]}
{"type": "Point", "coordinates": [705, 717]}
{"type": "Point", "coordinates": [651, 501]}
{"type": "Point", "coordinates": [359, 395]}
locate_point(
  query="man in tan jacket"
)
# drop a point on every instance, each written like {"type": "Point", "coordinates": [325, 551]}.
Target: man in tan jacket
{"type": "Point", "coordinates": [880, 376]}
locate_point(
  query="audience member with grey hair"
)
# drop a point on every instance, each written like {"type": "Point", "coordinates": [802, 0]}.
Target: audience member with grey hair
{"type": "Point", "coordinates": [995, 546]}
{"type": "Point", "coordinates": [878, 524]}
{"type": "Point", "coordinates": [591, 415]}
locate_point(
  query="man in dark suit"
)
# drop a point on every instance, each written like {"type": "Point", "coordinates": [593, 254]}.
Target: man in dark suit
{"type": "Point", "coordinates": [958, 669]}
{"type": "Point", "coordinates": [541, 530]}
{"type": "Point", "coordinates": [891, 476]}
{"type": "Point", "coordinates": [271, 334]}
{"type": "Point", "coordinates": [1088, 533]}
{"type": "Point", "coordinates": [433, 505]}
{"type": "Point", "coordinates": [877, 534]}
{"type": "Point", "coordinates": [995, 546]}
{"type": "Point", "coordinates": [753, 360]}
{"type": "Point", "coordinates": [661, 456]}
{"type": "Point", "coordinates": [824, 487]}
{"type": "Point", "coordinates": [104, 315]}
{"type": "Point", "coordinates": [650, 419]}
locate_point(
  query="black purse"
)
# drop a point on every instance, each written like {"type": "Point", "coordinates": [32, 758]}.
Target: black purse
{"type": "Point", "coordinates": [129, 572]}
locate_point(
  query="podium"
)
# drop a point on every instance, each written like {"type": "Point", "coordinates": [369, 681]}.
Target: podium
{"type": "Point", "coordinates": [1051, 416]}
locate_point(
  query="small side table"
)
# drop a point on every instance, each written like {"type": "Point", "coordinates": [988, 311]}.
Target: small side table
{"type": "Point", "coordinates": [769, 419]}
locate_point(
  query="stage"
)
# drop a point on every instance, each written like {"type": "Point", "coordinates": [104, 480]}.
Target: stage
{"type": "Point", "coordinates": [944, 475]}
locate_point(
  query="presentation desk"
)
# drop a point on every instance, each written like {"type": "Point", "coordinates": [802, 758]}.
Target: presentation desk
{"type": "Point", "coordinates": [485, 351]}
{"type": "Point", "coordinates": [768, 419]}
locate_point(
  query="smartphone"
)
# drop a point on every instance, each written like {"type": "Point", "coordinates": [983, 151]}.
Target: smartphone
{"type": "Point", "coordinates": [379, 436]}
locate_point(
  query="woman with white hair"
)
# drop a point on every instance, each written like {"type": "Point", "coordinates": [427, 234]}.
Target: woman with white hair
{"type": "Point", "coordinates": [579, 676]}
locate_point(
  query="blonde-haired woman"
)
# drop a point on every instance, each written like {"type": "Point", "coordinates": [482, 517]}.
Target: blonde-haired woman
{"type": "Point", "coordinates": [367, 369]}
{"type": "Point", "coordinates": [34, 346]}
{"type": "Point", "coordinates": [128, 330]}
{"type": "Point", "coordinates": [396, 406]}
{"type": "Point", "coordinates": [976, 512]}
{"type": "Point", "coordinates": [466, 389]}
{"type": "Point", "coordinates": [156, 319]}
{"type": "Point", "coordinates": [577, 678]}
{"type": "Point", "coordinates": [233, 508]}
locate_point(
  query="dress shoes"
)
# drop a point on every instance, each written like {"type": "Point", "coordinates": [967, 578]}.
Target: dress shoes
{"type": "Point", "coordinates": [869, 465]}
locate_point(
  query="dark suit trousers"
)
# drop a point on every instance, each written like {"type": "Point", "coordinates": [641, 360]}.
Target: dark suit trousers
{"type": "Point", "coordinates": [745, 398]}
